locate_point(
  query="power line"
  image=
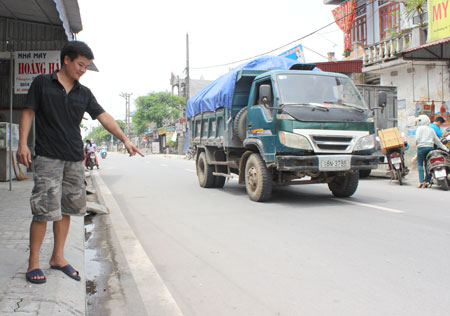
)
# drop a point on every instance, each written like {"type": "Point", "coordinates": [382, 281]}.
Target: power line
{"type": "Point", "coordinates": [314, 52]}
{"type": "Point", "coordinates": [327, 39]}
{"type": "Point", "coordinates": [299, 39]}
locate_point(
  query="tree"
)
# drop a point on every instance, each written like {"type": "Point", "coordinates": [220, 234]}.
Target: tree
{"type": "Point", "coordinates": [100, 134]}
{"type": "Point", "coordinates": [158, 107]}
{"type": "Point", "coordinates": [413, 7]}
{"type": "Point", "coordinates": [84, 127]}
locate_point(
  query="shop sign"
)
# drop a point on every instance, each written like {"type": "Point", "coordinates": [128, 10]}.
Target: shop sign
{"type": "Point", "coordinates": [179, 127]}
{"type": "Point", "coordinates": [438, 19]}
{"type": "Point", "coordinates": [30, 64]}
{"type": "Point", "coordinates": [295, 53]}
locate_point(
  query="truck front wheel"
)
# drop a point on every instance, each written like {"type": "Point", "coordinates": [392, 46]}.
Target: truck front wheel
{"type": "Point", "coordinates": [258, 180]}
{"type": "Point", "coordinates": [204, 172]}
{"type": "Point", "coordinates": [344, 186]}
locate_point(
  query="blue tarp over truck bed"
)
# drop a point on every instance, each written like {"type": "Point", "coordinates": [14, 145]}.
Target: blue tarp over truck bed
{"type": "Point", "coordinates": [219, 93]}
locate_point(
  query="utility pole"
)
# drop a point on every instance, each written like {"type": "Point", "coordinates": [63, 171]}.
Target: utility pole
{"type": "Point", "coordinates": [187, 67]}
{"type": "Point", "coordinates": [126, 96]}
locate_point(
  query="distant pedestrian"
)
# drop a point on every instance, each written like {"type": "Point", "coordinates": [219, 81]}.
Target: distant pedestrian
{"type": "Point", "coordinates": [58, 102]}
{"type": "Point", "coordinates": [426, 138]}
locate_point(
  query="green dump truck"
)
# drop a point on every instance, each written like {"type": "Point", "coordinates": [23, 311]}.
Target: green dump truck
{"type": "Point", "coordinates": [276, 122]}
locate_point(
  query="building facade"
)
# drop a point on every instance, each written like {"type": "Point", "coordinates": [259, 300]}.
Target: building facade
{"type": "Point", "coordinates": [398, 47]}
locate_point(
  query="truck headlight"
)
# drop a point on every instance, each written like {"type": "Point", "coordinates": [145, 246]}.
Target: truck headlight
{"type": "Point", "coordinates": [294, 141]}
{"type": "Point", "coordinates": [365, 143]}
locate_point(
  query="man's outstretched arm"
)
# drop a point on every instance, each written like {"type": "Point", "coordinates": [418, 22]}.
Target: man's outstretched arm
{"type": "Point", "coordinates": [111, 126]}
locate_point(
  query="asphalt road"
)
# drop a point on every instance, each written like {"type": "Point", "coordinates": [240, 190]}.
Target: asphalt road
{"type": "Point", "coordinates": [384, 251]}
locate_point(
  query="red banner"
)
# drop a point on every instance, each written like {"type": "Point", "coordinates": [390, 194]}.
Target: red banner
{"type": "Point", "coordinates": [344, 15]}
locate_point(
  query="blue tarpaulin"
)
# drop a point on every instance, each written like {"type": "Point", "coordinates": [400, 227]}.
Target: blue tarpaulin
{"type": "Point", "coordinates": [219, 93]}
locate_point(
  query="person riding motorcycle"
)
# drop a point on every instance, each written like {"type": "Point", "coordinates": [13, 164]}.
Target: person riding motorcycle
{"type": "Point", "coordinates": [90, 148]}
{"type": "Point", "coordinates": [426, 138]}
{"type": "Point", "coordinates": [104, 150]}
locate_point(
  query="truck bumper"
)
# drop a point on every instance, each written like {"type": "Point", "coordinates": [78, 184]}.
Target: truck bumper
{"type": "Point", "coordinates": [311, 163]}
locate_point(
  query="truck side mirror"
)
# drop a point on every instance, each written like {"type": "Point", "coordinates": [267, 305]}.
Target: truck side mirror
{"type": "Point", "coordinates": [265, 94]}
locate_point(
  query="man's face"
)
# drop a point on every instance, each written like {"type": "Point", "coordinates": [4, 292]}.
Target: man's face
{"type": "Point", "coordinates": [77, 67]}
{"type": "Point", "coordinates": [438, 123]}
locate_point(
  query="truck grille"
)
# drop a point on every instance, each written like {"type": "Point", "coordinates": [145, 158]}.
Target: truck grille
{"type": "Point", "coordinates": [335, 143]}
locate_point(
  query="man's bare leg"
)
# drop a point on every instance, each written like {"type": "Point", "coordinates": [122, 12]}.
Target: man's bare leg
{"type": "Point", "coordinates": [37, 234]}
{"type": "Point", "coordinates": [60, 231]}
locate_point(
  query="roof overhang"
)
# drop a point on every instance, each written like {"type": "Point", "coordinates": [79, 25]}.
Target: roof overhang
{"type": "Point", "coordinates": [335, 2]}
{"type": "Point", "coordinates": [434, 51]}
{"type": "Point", "coordinates": [65, 13]}
{"type": "Point", "coordinates": [342, 66]}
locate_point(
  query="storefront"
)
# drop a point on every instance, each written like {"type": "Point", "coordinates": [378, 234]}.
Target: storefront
{"type": "Point", "coordinates": [31, 37]}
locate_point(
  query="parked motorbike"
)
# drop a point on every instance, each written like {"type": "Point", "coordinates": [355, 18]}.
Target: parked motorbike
{"type": "Point", "coordinates": [396, 160]}
{"type": "Point", "coordinates": [438, 165]}
{"type": "Point", "coordinates": [104, 153]}
{"type": "Point", "coordinates": [191, 153]}
{"type": "Point", "coordinates": [91, 161]}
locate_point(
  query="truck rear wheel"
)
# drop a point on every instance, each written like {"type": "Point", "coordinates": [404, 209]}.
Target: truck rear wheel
{"type": "Point", "coordinates": [204, 172]}
{"type": "Point", "coordinates": [219, 181]}
{"type": "Point", "coordinates": [258, 180]}
{"type": "Point", "coordinates": [344, 186]}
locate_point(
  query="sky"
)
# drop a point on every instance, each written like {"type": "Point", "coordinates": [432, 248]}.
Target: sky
{"type": "Point", "coordinates": [137, 44]}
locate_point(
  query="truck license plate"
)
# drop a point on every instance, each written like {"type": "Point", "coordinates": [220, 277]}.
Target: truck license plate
{"type": "Point", "coordinates": [334, 163]}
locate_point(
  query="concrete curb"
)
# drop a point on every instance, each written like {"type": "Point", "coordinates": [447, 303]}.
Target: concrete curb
{"type": "Point", "coordinates": [155, 296]}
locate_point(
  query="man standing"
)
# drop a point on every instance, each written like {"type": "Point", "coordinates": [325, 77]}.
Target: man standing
{"type": "Point", "coordinates": [58, 102]}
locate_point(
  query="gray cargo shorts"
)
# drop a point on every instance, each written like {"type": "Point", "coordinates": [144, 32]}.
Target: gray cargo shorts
{"type": "Point", "coordinates": [59, 188]}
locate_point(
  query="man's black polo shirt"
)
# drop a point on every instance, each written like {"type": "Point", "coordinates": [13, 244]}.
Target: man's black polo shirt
{"type": "Point", "coordinates": [58, 116]}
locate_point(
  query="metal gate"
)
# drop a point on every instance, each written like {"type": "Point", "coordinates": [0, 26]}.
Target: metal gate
{"type": "Point", "coordinates": [382, 100]}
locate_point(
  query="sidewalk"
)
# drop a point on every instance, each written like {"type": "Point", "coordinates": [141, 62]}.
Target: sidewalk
{"type": "Point", "coordinates": [60, 295]}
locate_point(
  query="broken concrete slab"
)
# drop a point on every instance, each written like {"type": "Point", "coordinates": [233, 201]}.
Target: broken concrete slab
{"type": "Point", "coordinates": [97, 208]}
{"type": "Point", "coordinates": [90, 190]}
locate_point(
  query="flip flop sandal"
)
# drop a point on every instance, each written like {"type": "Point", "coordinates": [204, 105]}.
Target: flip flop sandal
{"type": "Point", "coordinates": [69, 271]}
{"type": "Point", "coordinates": [34, 273]}
{"type": "Point", "coordinates": [421, 185]}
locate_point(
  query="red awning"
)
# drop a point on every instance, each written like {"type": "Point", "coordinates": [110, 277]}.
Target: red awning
{"type": "Point", "coordinates": [344, 66]}
{"type": "Point", "coordinates": [437, 50]}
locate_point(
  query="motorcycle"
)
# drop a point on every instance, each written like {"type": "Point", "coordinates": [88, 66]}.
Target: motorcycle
{"type": "Point", "coordinates": [191, 154]}
{"type": "Point", "coordinates": [396, 160]}
{"type": "Point", "coordinates": [438, 165]}
{"type": "Point", "coordinates": [104, 153]}
{"type": "Point", "coordinates": [91, 161]}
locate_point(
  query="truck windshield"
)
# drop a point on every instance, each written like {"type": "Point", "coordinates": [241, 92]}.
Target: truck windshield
{"type": "Point", "coordinates": [299, 89]}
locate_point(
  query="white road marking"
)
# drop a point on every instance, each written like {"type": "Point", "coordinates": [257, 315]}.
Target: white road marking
{"type": "Point", "coordinates": [381, 208]}
{"type": "Point", "coordinates": [190, 170]}
{"type": "Point", "coordinates": [154, 293]}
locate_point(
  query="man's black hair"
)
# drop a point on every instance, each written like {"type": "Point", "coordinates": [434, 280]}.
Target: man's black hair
{"type": "Point", "coordinates": [439, 119]}
{"type": "Point", "coordinates": [74, 49]}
